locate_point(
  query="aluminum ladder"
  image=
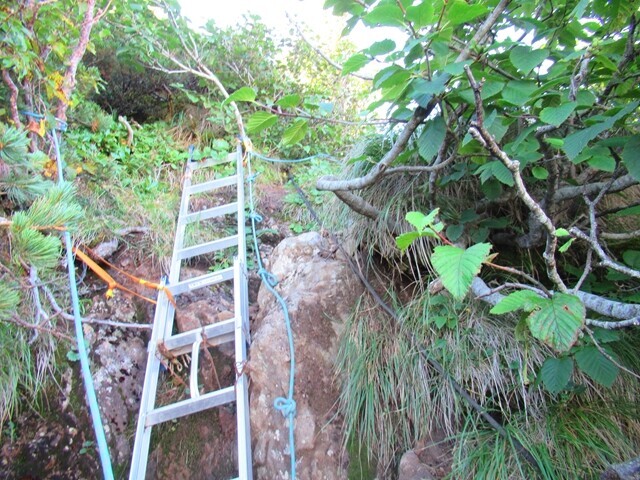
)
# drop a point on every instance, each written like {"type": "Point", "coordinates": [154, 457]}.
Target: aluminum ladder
{"type": "Point", "coordinates": [234, 330]}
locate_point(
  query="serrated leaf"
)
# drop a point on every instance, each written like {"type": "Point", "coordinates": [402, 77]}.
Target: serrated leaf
{"type": "Point", "coordinates": [496, 169]}
{"type": "Point", "coordinates": [289, 101]}
{"type": "Point", "coordinates": [420, 220]}
{"type": "Point", "coordinates": [592, 362]}
{"type": "Point", "coordinates": [420, 15]}
{"type": "Point", "coordinates": [519, 92]}
{"type": "Point", "coordinates": [631, 156]}
{"type": "Point", "coordinates": [388, 15]}
{"type": "Point", "coordinates": [404, 240]}
{"type": "Point", "coordinates": [602, 163]}
{"type": "Point", "coordinates": [462, 12]}
{"type": "Point", "coordinates": [540, 173]}
{"type": "Point", "coordinates": [355, 63]}
{"type": "Point", "coordinates": [525, 59]}
{"type": "Point", "coordinates": [261, 120]}
{"type": "Point", "coordinates": [244, 94]}
{"type": "Point", "coordinates": [556, 373]}
{"type": "Point", "coordinates": [557, 115]}
{"type": "Point", "coordinates": [454, 232]}
{"type": "Point", "coordinates": [521, 300]}
{"type": "Point", "coordinates": [458, 267]}
{"type": "Point", "coordinates": [381, 47]}
{"type": "Point", "coordinates": [295, 132]}
{"type": "Point", "coordinates": [431, 138]}
{"type": "Point", "coordinates": [558, 322]}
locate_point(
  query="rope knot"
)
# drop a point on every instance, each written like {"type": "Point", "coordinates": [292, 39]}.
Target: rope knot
{"type": "Point", "coordinates": [286, 406]}
{"type": "Point", "coordinates": [268, 277]}
{"type": "Point", "coordinates": [252, 178]}
{"type": "Point", "coordinates": [255, 216]}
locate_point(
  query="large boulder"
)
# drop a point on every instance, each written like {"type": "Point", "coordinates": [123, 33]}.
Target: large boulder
{"type": "Point", "coordinates": [320, 291]}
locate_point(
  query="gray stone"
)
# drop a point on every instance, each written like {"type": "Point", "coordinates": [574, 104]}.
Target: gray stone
{"type": "Point", "coordinates": [411, 468]}
{"type": "Point", "coordinates": [320, 292]}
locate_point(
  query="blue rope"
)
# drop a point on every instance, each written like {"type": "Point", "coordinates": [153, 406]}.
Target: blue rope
{"type": "Point", "coordinates": [103, 448]}
{"type": "Point", "coordinates": [286, 406]}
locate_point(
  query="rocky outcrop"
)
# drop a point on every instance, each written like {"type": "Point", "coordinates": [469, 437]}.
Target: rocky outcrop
{"type": "Point", "coordinates": [319, 290]}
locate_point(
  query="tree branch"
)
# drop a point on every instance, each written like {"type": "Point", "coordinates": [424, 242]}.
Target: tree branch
{"type": "Point", "coordinates": [569, 192]}
{"type": "Point", "coordinates": [13, 98]}
{"type": "Point", "coordinates": [69, 79]}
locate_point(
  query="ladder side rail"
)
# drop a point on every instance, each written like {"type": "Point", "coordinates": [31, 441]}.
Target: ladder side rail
{"type": "Point", "coordinates": [242, 237]}
{"type": "Point", "coordinates": [245, 469]}
{"type": "Point", "coordinates": [148, 398]}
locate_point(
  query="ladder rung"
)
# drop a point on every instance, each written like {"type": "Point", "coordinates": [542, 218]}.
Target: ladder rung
{"type": "Point", "coordinates": [212, 162]}
{"type": "Point", "coordinates": [216, 333]}
{"type": "Point", "coordinates": [190, 406]}
{"type": "Point", "coordinates": [201, 281]}
{"type": "Point", "coordinates": [211, 213]}
{"type": "Point", "coordinates": [213, 184]}
{"type": "Point", "coordinates": [208, 247]}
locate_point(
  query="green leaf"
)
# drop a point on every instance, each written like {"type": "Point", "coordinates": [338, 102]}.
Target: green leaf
{"type": "Point", "coordinates": [381, 47]}
{"type": "Point", "coordinates": [289, 101]}
{"type": "Point", "coordinates": [495, 169]}
{"type": "Point", "coordinates": [355, 63]}
{"type": "Point", "coordinates": [519, 92]}
{"type": "Point", "coordinates": [631, 156]}
{"type": "Point", "coordinates": [420, 15]}
{"type": "Point", "coordinates": [295, 132]}
{"type": "Point", "coordinates": [561, 232]}
{"type": "Point", "coordinates": [388, 15]}
{"type": "Point", "coordinates": [244, 94]}
{"type": "Point", "coordinates": [556, 373]}
{"type": "Point", "coordinates": [565, 246]}
{"type": "Point", "coordinates": [454, 232]}
{"type": "Point", "coordinates": [602, 163]}
{"type": "Point", "coordinates": [404, 240]}
{"type": "Point", "coordinates": [525, 59]}
{"type": "Point", "coordinates": [521, 300]}
{"type": "Point", "coordinates": [431, 138]}
{"type": "Point", "coordinates": [261, 120]}
{"type": "Point", "coordinates": [420, 220]}
{"type": "Point", "coordinates": [540, 173]}
{"type": "Point", "coordinates": [557, 115]}
{"type": "Point", "coordinates": [462, 12]}
{"type": "Point", "coordinates": [632, 258]}
{"type": "Point", "coordinates": [456, 68]}
{"type": "Point", "coordinates": [458, 267]}
{"type": "Point", "coordinates": [577, 141]}
{"type": "Point", "coordinates": [558, 322]}
{"type": "Point", "coordinates": [592, 362]}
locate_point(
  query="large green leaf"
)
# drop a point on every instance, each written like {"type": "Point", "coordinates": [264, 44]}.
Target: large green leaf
{"type": "Point", "coordinates": [557, 115]}
{"type": "Point", "coordinates": [592, 362]}
{"type": "Point", "coordinates": [458, 267]}
{"type": "Point", "coordinates": [381, 47]}
{"type": "Point", "coordinates": [521, 300]}
{"type": "Point", "coordinates": [244, 94]}
{"type": "Point", "coordinates": [519, 92]}
{"type": "Point", "coordinates": [355, 63]}
{"type": "Point", "coordinates": [631, 156]}
{"type": "Point", "coordinates": [431, 138]}
{"type": "Point", "coordinates": [384, 15]}
{"type": "Point", "coordinates": [558, 322]}
{"type": "Point", "coordinates": [556, 373]}
{"type": "Point", "coordinates": [420, 15]}
{"type": "Point", "coordinates": [289, 101]}
{"type": "Point", "coordinates": [525, 59]}
{"type": "Point", "coordinates": [260, 120]}
{"type": "Point", "coordinates": [295, 132]}
{"type": "Point", "coordinates": [461, 12]}
{"type": "Point", "coordinates": [496, 169]}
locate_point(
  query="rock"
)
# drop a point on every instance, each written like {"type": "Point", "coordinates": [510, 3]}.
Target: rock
{"type": "Point", "coordinates": [320, 292]}
{"type": "Point", "coordinates": [118, 382]}
{"type": "Point", "coordinates": [411, 468]}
